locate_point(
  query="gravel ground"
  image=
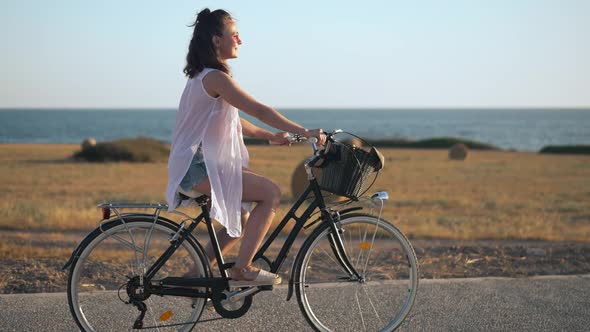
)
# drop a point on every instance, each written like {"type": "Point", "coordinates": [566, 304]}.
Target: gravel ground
{"type": "Point", "coordinates": [437, 258]}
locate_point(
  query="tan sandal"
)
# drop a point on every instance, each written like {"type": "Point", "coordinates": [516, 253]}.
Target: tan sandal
{"type": "Point", "coordinates": [250, 277]}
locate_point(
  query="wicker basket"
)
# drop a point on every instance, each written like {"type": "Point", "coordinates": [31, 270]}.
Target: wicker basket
{"type": "Point", "coordinates": [347, 169]}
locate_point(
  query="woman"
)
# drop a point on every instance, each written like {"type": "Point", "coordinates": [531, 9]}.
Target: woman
{"type": "Point", "coordinates": [208, 154]}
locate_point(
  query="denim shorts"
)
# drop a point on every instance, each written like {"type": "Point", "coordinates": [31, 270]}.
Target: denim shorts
{"type": "Point", "coordinates": [196, 173]}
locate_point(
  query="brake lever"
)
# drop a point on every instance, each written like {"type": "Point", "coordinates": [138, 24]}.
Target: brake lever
{"type": "Point", "coordinates": [314, 144]}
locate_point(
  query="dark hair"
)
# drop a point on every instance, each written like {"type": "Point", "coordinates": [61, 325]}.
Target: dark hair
{"type": "Point", "coordinates": [201, 51]}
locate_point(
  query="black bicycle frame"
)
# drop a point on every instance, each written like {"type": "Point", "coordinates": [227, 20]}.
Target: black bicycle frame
{"type": "Point", "coordinates": [337, 245]}
{"type": "Point", "coordinates": [318, 202]}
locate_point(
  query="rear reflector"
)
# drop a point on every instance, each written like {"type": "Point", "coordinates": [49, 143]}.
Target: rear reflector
{"type": "Point", "coordinates": [106, 213]}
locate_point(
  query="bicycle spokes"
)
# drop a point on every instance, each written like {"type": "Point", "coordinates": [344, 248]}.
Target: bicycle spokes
{"type": "Point", "coordinates": [383, 294]}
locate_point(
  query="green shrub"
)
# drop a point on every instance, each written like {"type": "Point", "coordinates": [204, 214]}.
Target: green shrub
{"type": "Point", "coordinates": [140, 149]}
{"type": "Point", "coordinates": [566, 149]}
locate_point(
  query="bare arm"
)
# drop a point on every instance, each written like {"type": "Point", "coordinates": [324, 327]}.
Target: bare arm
{"type": "Point", "coordinates": [218, 83]}
{"type": "Point", "coordinates": [251, 130]}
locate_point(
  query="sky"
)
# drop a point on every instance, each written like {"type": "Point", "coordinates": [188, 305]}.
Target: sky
{"type": "Point", "coordinates": [302, 54]}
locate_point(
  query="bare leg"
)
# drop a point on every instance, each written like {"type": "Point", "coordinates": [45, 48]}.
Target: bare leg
{"type": "Point", "coordinates": [266, 194]}
{"type": "Point", "coordinates": [226, 242]}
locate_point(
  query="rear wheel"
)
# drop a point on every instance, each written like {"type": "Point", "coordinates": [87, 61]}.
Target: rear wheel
{"type": "Point", "coordinates": [98, 284]}
{"type": "Point", "coordinates": [333, 300]}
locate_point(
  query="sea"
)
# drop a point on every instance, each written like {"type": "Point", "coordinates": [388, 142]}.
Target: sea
{"type": "Point", "coordinates": [514, 129]}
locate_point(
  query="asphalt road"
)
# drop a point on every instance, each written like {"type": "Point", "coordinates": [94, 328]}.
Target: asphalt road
{"type": "Point", "coordinates": [552, 303]}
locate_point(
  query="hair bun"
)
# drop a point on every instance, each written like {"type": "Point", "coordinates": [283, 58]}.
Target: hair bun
{"type": "Point", "coordinates": [203, 15]}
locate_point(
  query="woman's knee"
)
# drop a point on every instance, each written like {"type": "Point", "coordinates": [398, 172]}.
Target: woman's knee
{"type": "Point", "coordinates": [271, 193]}
{"type": "Point", "coordinates": [274, 194]}
{"type": "Point", "coordinates": [258, 188]}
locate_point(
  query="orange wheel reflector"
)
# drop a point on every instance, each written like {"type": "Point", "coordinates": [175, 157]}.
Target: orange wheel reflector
{"type": "Point", "coordinates": [364, 245]}
{"type": "Point", "coordinates": [166, 316]}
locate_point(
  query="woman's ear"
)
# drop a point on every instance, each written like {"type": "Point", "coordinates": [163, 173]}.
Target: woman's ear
{"type": "Point", "coordinates": [216, 41]}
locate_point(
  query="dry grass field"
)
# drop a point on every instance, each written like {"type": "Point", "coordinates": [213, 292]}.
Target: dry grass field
{"type": "Point", "coordinates": [490, 195]}
{"type": "Point", "coordinates": [473, 218]}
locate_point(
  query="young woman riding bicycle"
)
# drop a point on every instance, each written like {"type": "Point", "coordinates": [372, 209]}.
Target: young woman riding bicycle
{"type": "Point", "coordinates": [208, 155]}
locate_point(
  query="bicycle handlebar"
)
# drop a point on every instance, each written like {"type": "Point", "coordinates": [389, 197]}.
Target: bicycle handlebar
{"type": "Point", "coordinates": [314, 140]}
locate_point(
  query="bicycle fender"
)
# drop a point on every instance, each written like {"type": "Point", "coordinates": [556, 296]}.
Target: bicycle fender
{"type": "Point", "coordinates": [82, 244]}
{"type": "Point", "coordinates": [75, 253]}
{"type": "Point", "coordinates": [290, 289]}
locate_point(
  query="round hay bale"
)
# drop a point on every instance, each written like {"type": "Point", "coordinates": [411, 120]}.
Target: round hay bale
{"type": "Point", "coordinates": [458, 151]}
{"type": "Point", "coordinates": [88, 143]}
{"type": "Point", "coordinates": [354, 141]}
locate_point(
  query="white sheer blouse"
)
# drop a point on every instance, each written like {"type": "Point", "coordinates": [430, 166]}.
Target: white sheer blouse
{"type": "Point", "coordinates": [215, 123]}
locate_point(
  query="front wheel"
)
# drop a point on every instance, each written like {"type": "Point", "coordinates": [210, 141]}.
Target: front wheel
{"type": "Point", "coordinates": [99, 281]}
{"type": "Point", "coordinates": [333, 300]}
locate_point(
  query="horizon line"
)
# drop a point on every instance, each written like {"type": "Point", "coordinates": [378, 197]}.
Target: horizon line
{"type": "Point", "coordinates": [351, 108]}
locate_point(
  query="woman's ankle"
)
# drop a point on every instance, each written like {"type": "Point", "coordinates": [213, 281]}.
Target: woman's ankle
{"type": "Point", "coordinates": [243, 267]}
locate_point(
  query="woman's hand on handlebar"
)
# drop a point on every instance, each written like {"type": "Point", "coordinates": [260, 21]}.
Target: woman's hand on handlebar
{"type": "Point", "coordinates": [318, 133]}
{"type": "Point", "coordinates": [281, 138]}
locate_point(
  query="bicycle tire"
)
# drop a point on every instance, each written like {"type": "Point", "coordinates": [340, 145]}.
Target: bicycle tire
{"type": "Point", "coordinates": [329, 298]}
{"type": "Point", "coordinates": [97, 277]}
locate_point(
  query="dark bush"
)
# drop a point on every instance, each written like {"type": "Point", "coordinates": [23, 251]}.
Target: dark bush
{"type": "Point", "coordinates": [141, 149]}
{"type": "Point", "coordinates": [255, 141]}
{"type": "Point", "coordinates": [566, 149]}
{"type": "Point", "coordinates": [432, 143]}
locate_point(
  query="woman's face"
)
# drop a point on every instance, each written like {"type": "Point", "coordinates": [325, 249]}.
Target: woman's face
{"type": "Point", "coordinates": [228, 43]}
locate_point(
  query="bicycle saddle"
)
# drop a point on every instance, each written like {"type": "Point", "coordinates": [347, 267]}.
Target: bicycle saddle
{"type": "Point", "coordinates": [195, 195]}
{"type": "Point", "coordinates": [190, 193]}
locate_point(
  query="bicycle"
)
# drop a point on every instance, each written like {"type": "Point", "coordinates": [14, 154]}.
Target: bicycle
{"type": "Point", "coordinates": [153, 273]}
